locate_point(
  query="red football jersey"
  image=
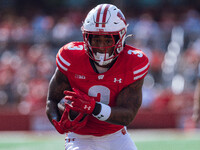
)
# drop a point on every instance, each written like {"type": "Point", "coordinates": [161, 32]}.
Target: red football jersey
{"type": "Point", "coordinates": [131, 65]}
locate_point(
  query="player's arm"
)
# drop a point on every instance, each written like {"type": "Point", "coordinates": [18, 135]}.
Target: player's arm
{"type": "Point", "coordinates": [128, 103]}
{"type": "Point", "coordinates": [57, 85]}
{"type": "Point", "coordinates": [196, 111]}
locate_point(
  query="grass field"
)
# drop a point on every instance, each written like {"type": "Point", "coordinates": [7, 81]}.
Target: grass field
{"type": "Point", "coordinates": [144, 139]}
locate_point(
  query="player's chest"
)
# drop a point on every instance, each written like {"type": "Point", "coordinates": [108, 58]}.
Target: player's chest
{"type": "Point", "coordinates": [104, 87]}
{"type": "Point", "coordinates": [109, 78]}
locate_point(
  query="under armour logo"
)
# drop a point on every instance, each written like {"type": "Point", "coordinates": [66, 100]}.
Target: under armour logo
{"type": "Point", "coordinates": [117, 80]}
{"type": "Point", "coordinates": [87, 107]}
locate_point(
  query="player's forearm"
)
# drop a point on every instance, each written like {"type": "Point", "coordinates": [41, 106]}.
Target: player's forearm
{"type": "Point", "coordinates": [122, 116]}
{"type": "Point", "coordinates": [196, 106]}
{"type": "Point", "coordinates": [116, 115]}
{"type": "Point", "coordinates": [52, 111]}
{"type": "Point", "coordinates": [197, 96]}
{"type": "Point", "coordinates": [57, 85]}
{"type": "Point", "coordinates": [128, 103]}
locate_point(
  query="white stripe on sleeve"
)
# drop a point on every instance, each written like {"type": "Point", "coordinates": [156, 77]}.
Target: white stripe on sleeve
{"type": "Point", "coordinates": [63, 60]}
{"type": "Point", "coordinates": [137, 77]}
{"type": "Point", "coordinates": [61, 66]}
{"type": "Point", "coordinates": [142, 69]}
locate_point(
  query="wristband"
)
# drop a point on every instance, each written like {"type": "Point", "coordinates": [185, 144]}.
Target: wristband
{"type": "Point", "coordinates": [104, 113]}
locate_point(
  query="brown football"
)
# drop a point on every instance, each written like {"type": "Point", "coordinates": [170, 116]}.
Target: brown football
{"type": "Point", "coordinates": [61, 107]}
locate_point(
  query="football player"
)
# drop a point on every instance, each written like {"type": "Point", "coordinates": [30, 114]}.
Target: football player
{"type": "Point", "coordinates": [101, 78]}
{"type": "Point", "coordinates": [196, 112]}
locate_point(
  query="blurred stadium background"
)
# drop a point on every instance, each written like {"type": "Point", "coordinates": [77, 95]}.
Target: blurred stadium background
{"type": "Point", "coordinates": [31, 32]}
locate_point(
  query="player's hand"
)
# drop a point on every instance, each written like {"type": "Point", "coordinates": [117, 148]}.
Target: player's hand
{"type": "Point", "coordinates": [81, 102]}
{"type": "Point", "coordinates": [196, 115]}
{"type": "Point", "coordinates": [66, 125]}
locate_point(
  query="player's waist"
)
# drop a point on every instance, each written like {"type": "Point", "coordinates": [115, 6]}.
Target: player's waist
{"type": "Point", "coordinates": [96, 127]}
{"type": "Point", "coordinates": [122, 131]}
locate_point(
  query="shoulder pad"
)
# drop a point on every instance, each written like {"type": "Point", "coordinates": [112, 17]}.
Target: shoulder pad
{"type": "Point", "coordinates": [74, 46]}
{"type": "Point", "coordinates": [67, 54]}
{"type": "Point", "coordinates": [138, 62]}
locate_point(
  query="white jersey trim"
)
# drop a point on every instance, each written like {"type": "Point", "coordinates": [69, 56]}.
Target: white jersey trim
{"type": "Point", "coordinates": [64, 68]}
{"type": "Point", "coordinates": [140, 70]}
{"type": "Point", "coordinates": [137, 77]}
{"type": "Point", "coordinates": [63, 60]}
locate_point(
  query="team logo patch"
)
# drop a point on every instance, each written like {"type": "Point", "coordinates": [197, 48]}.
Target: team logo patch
{"type": "Point", "coordinates": [121, 16]}
{"type": "Point", "coordinates": [100, 77]}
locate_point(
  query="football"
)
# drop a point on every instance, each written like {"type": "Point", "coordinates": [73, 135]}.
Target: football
{"type": "Point", "coordinates": [61, 107]}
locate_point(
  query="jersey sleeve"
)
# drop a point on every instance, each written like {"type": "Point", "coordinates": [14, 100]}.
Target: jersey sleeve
{"type": "Point", "coordinates": [138, 65]}
{"type": "Point", "coordinates": [141, 69]}
{"type": "Point", "coordinates": [62, 60]}
{"type": "Point", "coordinates": [69, 57]}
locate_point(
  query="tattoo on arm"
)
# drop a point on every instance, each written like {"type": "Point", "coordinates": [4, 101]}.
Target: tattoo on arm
{"type": "Point", "coordinates": [57, 85]}
{"type": "Point", "coordinates": [128, 103]}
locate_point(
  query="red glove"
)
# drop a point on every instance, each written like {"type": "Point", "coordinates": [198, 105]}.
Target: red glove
{"type": "Point", "coordinates": [81, 102]}
{"type": "Point", "coordinates": [66, 125]}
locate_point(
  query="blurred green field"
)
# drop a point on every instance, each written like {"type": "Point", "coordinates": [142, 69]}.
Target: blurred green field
{"type": "Point", "coordinates": [144, 139]}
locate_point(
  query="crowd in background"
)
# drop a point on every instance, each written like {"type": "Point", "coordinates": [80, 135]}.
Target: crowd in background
{"type": "Point", "coordinates": [28, 47]}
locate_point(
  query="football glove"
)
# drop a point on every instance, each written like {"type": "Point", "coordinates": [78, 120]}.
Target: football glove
{"type": "Point", "coordinates": [80, 101]}
{"type": "Point", "coordinates": [66, 125]}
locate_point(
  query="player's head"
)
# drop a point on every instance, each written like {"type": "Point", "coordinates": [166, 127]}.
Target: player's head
{"type": "Point", "coordinates": [104, 32]}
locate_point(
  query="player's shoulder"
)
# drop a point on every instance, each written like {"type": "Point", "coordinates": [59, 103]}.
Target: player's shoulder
{"type": "Point", "coordinates": [134, 55]}
{"type": "Point", "coordinates": [68, 55]}
{"type": "Point", "coordinates": [136, 62]}
{"type": "Point", "coordinates": [72, 47]}
{"type": "Point", "coordinates": [134, 52]}
{"type": "Point", "coordinates": [70, 52]}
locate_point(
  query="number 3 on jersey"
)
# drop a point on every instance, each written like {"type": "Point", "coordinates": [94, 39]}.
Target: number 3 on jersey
{"type": "Point", "coordinates": [103, 91]}
{"type": "Point", "coordinates": [139, 54]}
{"type": "Point", "coordinates": [72, 47]}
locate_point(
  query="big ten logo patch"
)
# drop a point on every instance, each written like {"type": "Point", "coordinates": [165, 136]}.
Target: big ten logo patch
{"type": "Point", "coordinates": [78, 76]}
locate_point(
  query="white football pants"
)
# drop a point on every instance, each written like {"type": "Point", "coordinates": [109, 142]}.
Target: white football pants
{"type": "Point", "coordinates": [119, 140]}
